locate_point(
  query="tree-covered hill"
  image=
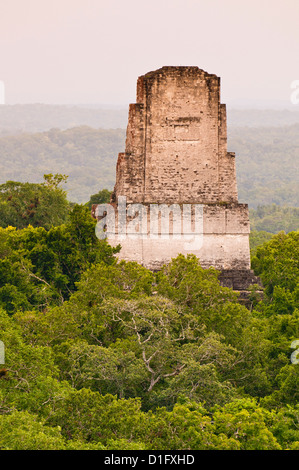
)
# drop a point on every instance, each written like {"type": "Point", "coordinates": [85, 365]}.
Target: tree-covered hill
{"type": "Point", "coordinates": [274, 218]}
{"type": "Point", "coordinates": [266, 159]}
{"type": "Point", "coordinates": [88, 156]}
{"type": "Point", "coordinates": [267, 164]}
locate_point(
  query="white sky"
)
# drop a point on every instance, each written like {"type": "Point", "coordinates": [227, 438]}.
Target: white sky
{"type": "Point", "coordinates": [92, 51]}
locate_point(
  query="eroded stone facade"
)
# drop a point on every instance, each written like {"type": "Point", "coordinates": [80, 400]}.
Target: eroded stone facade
{"type": "Point", "coordinates": [176, 153]}
{"type": "Point", "coordinates": [176, 146]}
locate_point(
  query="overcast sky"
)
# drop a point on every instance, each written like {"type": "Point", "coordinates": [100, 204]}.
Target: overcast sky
{"type": "Point", "coordinates": [92, 51]}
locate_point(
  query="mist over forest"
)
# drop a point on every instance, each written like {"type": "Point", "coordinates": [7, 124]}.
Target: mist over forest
{"type": "Point", "coordinates": [84, 142]}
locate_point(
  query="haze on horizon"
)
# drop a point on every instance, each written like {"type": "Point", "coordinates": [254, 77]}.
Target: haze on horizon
{"type": "Point", "coordinates": [92, 51]}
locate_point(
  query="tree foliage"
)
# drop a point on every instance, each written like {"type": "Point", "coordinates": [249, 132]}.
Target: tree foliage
{"type": "Point", "coordinates": [101, 197]}
{"type": "Point", "coordinates": [39, 205]}
{"type": "Point", "coordinates": [105, 354]}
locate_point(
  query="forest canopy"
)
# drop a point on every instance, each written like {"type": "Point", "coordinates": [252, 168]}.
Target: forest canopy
{"type": "Point", "coordinates": [107, 355]}
{"type": "Point", "coordinates": [88, 156]}
{"type": "Point", "coordinates": [104, 354]}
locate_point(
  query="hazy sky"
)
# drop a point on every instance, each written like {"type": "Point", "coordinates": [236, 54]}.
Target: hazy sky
{"type": "Point", "coordinates": [92, 51]}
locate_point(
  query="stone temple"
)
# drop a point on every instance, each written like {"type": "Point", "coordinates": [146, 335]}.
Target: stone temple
{"type": "Point", "coordinates": [176, 156]}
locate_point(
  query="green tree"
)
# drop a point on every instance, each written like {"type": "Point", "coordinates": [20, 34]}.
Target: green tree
{"type": "Point", "coordinates": [277, 264]}
{"type": "Point", "coordinates": [21, 430]}
{"type": "Point", "coordinates": [39, 205]}
{"type": "Point", "coordinates": [92, 417]}
{"type": "Point", "coordinates": [101, 197]}
{"type": "Point", "coordinates": [258, 238]}
{"type": "Point", "coordinates": [41, 267]}
{"type": "Point", "coordinates": [248, 423]}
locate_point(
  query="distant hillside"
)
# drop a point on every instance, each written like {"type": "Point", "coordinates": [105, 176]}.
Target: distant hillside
{"type": "Point", "coordinates": [265, 221]}
{"type": "Point", "coordinates": [88, 156]}
{"type": "Point", "coordinates": [43, 117]}
{"type": "Point", "coordinates": [266, 160]}
{"type": "Point", "coordinates": [273, 219]}
{"type": "Point", "coordinates": [267, 164]}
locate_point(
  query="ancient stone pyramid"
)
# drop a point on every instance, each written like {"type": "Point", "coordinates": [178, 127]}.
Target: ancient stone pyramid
{"type": "Point", "coordinates": [176, 156]}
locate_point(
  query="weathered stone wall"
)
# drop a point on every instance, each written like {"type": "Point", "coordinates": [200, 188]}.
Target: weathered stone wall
{"type": "Point", "coordinates": [217, 234]}
{"type": "Point", "coordinates": [176, 146]}
{"type": "Point", "coordinates": [176, 153]}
